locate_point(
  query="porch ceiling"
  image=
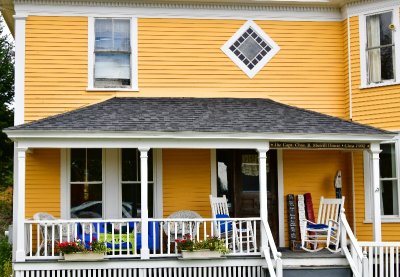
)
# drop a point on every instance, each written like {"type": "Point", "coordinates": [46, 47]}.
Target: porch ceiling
{"type": "Point", "coordinates": [196, 118]}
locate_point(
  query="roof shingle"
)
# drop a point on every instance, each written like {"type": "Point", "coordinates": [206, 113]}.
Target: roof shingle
{"type": "Point", "coordinates": [233, 115]}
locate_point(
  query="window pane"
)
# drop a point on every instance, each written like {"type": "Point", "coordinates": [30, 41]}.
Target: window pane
{"type": "Point", "coordinates": [387, 160]}
{"type": "Point", "coordinates": [112, 70]}
{"type": "Point", "coordinates": [131, 205]}
{"type": "Point", "coordinates": [250, 172]}
{"type": "Point", "coordinates": [94, 167]}
{"type": "Point", "coordinates": [78, 165]}
{"type": "Point", "coordinates": [385, 19]}
{"type": "Point", "coordinates": [86, 200]}
{"type": "Point", "coordinates": [387, 63]}
{"type": "Point", "coordinates": [103, 34]}
{"type": "Point", "coordinates": [121, 35]}
{"type": "Point", "coordinates": [131, 165]}
{"type": "Point", "coordinates": [389, 201]}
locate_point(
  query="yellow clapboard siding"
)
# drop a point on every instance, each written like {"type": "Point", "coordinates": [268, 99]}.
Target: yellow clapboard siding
{"type": "Point", "coordinates": [314, 172]}
{"type": "Point", "coordinates": [186, 181]}
{"type": "Point", "coordinates": [182, 57]}
{"type": "Point", "coordinates": [43, 182]}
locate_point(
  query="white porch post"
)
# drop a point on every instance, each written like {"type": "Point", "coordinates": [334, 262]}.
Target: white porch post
{"type": "Point", "coordinates": [262, 157]}
{"type": "Point", "coordinates": [376, 191]}
{"type": "Point", "coordinates": [19, 181]}
{"type": "Point", "coordinates": [144, 252]}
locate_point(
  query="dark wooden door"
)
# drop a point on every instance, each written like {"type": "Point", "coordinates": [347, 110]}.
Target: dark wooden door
{"type": "Point", "coordinates": [241, 184]}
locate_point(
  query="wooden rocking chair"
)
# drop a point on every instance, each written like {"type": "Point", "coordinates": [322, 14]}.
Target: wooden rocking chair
{"type": "Point", "coordinates": [326, 230]}
{"type": "Point", "coordinates": [239, 236]}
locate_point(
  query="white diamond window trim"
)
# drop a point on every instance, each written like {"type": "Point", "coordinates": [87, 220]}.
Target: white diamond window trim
{"type": "Point", "coordinates": [250, 48]}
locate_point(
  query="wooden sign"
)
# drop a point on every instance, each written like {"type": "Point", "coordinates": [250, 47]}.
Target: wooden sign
{"type": "Point", "coordinates": [318, 145]}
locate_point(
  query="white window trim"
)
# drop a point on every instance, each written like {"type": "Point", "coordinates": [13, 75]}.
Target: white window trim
{"type": "Point", "coordinates": [368, 187]}
{"type": "Point", "coordinates": [134, 56]}
{"type": "Point", "coordinates": [250, 72]}
{"type": "Point", "coordinates": [363, 43]}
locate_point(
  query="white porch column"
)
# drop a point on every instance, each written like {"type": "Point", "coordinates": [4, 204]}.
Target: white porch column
{"type": "Point", "coordinates": [19, 182]}
{"type": "Point", "coordinates": [144, 252]}
{"type": "Point", "coordinates": [376, 191]}
{"type": "Point", "coordinates": [262, 163]}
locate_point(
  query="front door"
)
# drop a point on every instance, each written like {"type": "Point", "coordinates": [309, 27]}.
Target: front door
{"type": "Point", "coordinates": [238, 179]}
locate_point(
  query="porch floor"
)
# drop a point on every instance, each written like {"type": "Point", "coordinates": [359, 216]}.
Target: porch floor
{"type": "Point", "coordinates": [322, 258]}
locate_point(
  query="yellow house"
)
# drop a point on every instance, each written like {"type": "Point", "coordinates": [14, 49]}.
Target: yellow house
{"type": "Point", "coordinates": [130, 114]}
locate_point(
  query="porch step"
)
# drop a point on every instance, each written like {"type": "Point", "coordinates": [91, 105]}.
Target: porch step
{"type": "Point", "coordinates": [332, 271]}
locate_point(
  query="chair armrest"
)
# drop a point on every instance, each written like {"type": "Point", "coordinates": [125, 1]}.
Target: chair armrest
{"type": "Point", "coordinates": [332, 223]}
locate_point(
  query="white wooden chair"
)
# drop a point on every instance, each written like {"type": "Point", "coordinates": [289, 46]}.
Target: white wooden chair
{"type": "Point", "coordinates": [326, 230]}
{"type": "Point", "coordinates": [239, 236]}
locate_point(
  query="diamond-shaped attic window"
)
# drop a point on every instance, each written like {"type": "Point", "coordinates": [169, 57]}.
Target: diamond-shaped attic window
{"type": "Point", "coordinates": [250, 48]}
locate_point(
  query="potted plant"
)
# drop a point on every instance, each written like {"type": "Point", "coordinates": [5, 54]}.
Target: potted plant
{"type": "Point", "coordinates": [190, 248]}
{"type": "Point", "coordinates": [77, 251]}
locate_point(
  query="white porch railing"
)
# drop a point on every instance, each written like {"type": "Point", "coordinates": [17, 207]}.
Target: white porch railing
{"type": "Point", "coordinates": [123, 236]}
{"type": "Point", "coordinates": [274, 266]}
{"type": "Point", "coordinates": [383, 258]}
{"type": "Point", "coordinates": [357, 260]}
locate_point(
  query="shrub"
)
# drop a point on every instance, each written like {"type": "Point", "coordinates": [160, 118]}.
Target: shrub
{"type": "Point", "coordinates": [5, 257]}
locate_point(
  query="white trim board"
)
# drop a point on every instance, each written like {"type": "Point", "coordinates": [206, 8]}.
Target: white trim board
{"type": "Point", "coordinates": [169, 10]}
{"type": "Point", "coordinates": [281, 198]}
{"type": "Point", "coordinates": [20, 22]}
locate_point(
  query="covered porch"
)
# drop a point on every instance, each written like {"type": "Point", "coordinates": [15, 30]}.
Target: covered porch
{"type": "Point", "coordinates": [151, 237]}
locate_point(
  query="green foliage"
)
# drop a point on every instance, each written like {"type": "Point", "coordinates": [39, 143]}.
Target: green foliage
{"type": "Point", "coordinates": [213, 243]}
{"type": "Point", "coordinates": [5, 258]}
{"type": "Point", "coordinates": [6, 111]}
{"type": "Point", "coordinates": [79, 247]}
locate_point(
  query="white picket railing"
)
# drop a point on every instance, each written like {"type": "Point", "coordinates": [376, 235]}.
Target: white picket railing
{"type": "Point", "coordinates": [383, 258]}
{"type": "Point", "coordinates": [123, 236]}
{"type": "Point", "coordinates": [357, 260]}
{"type": "Point", "coordinates": [275, 268]}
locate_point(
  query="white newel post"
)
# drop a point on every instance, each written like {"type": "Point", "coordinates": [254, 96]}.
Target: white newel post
{"type": "Point", "coordinates": [144, 252]}
{"type": "Point", "coordinates": [376, 191]}
{"type": "Point", "coordinates": [262, 163]}
{"type": "Point", "coordinates": [19, 181]}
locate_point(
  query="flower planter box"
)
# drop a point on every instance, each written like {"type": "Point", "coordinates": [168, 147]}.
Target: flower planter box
{"type": "Point", "coordinates": [84, 256]}
{"type": "Point", "coordinates": [200, 254]}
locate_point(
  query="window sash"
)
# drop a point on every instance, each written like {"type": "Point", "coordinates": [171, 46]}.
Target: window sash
{"type": "Point", "coordinates": [112, 53]}
{"type": "Point", "coordinates": [394, 152]}
{"type": "Point", "coordinates": [378, 70]}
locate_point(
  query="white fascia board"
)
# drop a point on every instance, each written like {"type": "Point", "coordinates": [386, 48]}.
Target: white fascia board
{"type": "Point", "coordinates": [180, 10]}
{"type": "Point", "coordinates": [175, 140]}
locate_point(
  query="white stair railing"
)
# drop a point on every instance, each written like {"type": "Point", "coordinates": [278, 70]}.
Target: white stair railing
{"type": "Point", "coordinates": [274, 263]}
{"type": "Point", "coordinates": [383, 258]}
{"type": "Point", "coordinates": [357, 260]}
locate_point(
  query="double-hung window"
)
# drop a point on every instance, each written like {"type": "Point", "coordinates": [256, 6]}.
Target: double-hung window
{"type": "Point", "coordinates": [380, 48]}
{"type": "Point", "coordinates": [112, 57]}
{"type": "Point", "coordinates": [86, 183]}
{"type": "Point", "coordinates": [389, 179]}
{"type": "Point", "coordinates": [130, 183]}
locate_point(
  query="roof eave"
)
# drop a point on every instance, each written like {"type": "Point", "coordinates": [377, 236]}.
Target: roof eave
{"type": "Point", "coordinates": [18, 135]}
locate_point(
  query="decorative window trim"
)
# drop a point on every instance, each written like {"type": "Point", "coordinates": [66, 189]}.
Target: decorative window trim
{"type": "Point", "coordinates": [250, 72]}
{"type": "Point", "coordinates": [134, 56]}
{"type": "Point", "coordinates": [363, 42]}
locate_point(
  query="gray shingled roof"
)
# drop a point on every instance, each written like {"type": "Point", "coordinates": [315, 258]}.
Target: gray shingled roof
{"type": "Point", "coordinates": [231, 115]}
